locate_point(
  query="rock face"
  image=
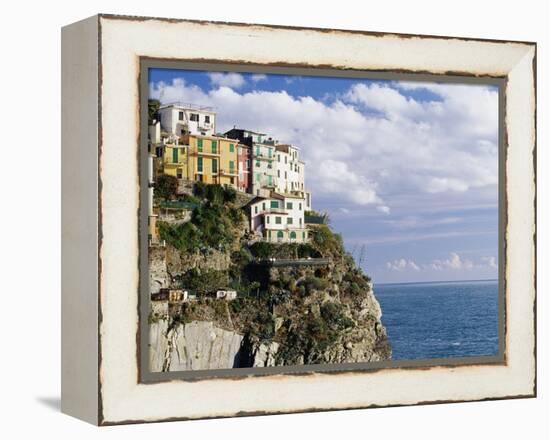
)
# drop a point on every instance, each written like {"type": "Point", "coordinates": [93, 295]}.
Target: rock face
{"type": "Point", "coordinates": [158, 271]}
{"type": "Point", "coordinates": [197, 345]}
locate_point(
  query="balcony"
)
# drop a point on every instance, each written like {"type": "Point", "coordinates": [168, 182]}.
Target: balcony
{"type": "Point", "coordinates": [204, 153]}
{"type": "Point", "coordinates": [232, 172]}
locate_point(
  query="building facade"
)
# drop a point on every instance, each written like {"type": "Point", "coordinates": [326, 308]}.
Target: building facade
{"type": "Point", "coordinates": [183, 119]}
{"type": "Point", "coordinates": [244, 167]}
{"type": "Point", "coordinates": [290, 169]}
{"type": "Point", "coordinates": [279, 218]}
{"type": "Point", "coordinates": [212, 159]}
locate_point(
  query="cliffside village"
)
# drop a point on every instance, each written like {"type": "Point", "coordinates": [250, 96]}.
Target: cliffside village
{"type": "Point", "coordinates": [184, 143]}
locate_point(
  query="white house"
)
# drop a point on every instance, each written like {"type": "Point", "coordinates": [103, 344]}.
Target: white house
{"type": "Point", "coordinates": [279, 218]}
{"type": "Point", "coordinates": [182, 119]}
{"type": "Point", "coordinates": [289, 168]}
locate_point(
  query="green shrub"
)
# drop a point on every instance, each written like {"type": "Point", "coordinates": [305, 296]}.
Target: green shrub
{"type": "Point", "coordinates": [166, 187]}
{"type": "Point", "coordinates": [335, 317]}
{"type": "Point", "coordinates": [262, 250]}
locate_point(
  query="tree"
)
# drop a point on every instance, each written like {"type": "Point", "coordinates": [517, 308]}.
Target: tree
{"type": "Point", "coordinates": [154, 105]}
{"type": "Point", "coordinates": [166, 186]}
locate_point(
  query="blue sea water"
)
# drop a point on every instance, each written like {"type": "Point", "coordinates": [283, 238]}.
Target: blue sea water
{"type": "Point", "coordinates": [440, 320]}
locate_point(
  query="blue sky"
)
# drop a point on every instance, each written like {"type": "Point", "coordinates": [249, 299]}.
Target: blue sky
{"type": "Point", "coordinates": [408, 171]}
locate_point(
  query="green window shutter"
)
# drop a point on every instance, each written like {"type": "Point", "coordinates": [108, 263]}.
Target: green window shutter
{"type": "Point", "coordinates": [258, 177]}
{"type": "Point", "coordinates": [257, 151]}
{"type": "Point", "coordinates": [214, 165]}
{"type": "Point", "coordinates": [267, 218]}
{"type": "Point", "coordinates": [174, 155]}
{"type": "Point", "coordinates": [303, 235]}
{"type": "Point", "coordinates": [274, 204]}
{"type": "Point", "coordinates": [263, 206]}
{"type": "Point", "coordinates": [231, 166]}
{"type": "Point", "coordinates": [199, 145]}
{"type": "Point", "coordinates": [270, 180]}
{"type": "Point", "coordinates": [289, 220]}
{"type": "Point", "coordinates": [278, 220]}
{"type": "Point", "coordinates": [231, 148]}
{"type": "Point", "coordinates": [280, 234]}
{"type": "Point", "coordinates": [214, 147]}
{"type": "Point", "coordinates": [288, 205]}
{"type": "Point", "coordinates": [293, 235]}
{"type": "Point", "coordinates": [199, 164]}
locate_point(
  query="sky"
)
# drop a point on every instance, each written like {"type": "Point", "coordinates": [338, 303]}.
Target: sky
{"type": "Point", "coordinates": [407, 171]}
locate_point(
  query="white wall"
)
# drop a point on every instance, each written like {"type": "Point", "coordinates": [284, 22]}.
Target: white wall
{"type": "Point", "coordinates": [30, 380]}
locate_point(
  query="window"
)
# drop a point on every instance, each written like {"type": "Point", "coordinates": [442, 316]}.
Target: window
{"type": "Point", "coordinates": [293, 235]}
{"type": "Point", "coordinates": [258, 178]}
{"type": "Point", "coordinates": [199, 145]}
{"type": "Point", "coordinates": [258, 151]}
{"type": "Point", "coordinates": [300, 206]}
{"type": "Point", "coordinates": [269, 152]}
{"type": "Point", "coordinates": [288, 205]}
{"type": "Point", "coordinates": [279, 235]}
{"type": "Point", "coordinates": [199, 165]}
{"type": "Point", "coordinates": [194, 117]}
{"type": "Point", "coordinates": [278, 157]}
{"type": "Point", "coordinates": [256, 209]}
{"type": "Point", "coordinates": [278, 173]}
{"type": "Point", "coordinates": [231, 148]}
{"type": "Point", "coordinates": [286, 176]}
{"type": "Point", "coordinates": [214, 166]}
{"type": "Point", "coordinates": [207, 119]}
{"type": "Point", "coordinates": [278, 220]}
{"type": "Point", "coordinates": [179, 173]}
{"type": "Point", "coordinates": [214, 147]}
{"type": "Point", "coordinates": [274, 204]}
{"type": "Point", "coordinates": [300, 221]}
{"type": "Point", "coordinates": [247, 164]}
{"type": "Point", "coordinates": [263, 206]}
{"type": "Point", "coordinates": [286, 159]}
{"type": "Point", "coordinates": [289, 220]}
{"type": "Point", "coordinates": [174, 155]}
{"type": "Point", "coordinates": [257, 164]}
{"type": "Point", "coordinates": [180, 116]}
{"type": "Point", "coordinates": [267, 219]}
{"type": "Point", "coordinates": [303, 235]}
{"type": "Point", "coordinates": [231, 166]}
{"type": "Point", "coordinates": [270, 180]}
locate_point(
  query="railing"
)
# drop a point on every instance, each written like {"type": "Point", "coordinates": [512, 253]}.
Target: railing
{"type": "Point", "coordinates": [190, 106]}
{"type": "Point", "coordinates": [293, 262]}
{"type": "Point", "coordinates": [230, 172]}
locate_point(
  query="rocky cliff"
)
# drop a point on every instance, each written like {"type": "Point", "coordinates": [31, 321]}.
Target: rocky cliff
{"type": "Point", "coordinates": [318, 311]}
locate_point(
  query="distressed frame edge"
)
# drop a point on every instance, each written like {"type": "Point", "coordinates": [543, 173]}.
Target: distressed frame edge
{"type": "Point", "coordinates": [80, 396]}
{"type": "Point", "coordinates": [104, 422]}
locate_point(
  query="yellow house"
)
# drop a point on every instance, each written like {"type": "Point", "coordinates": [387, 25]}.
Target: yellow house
{"type": "Point", "coordinates": [212, 159]}
{"type": "Point", "coordinates": [176, 161]}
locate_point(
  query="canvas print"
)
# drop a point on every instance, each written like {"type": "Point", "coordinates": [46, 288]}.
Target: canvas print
{"type": "Point", "coordinates": [307, 220]}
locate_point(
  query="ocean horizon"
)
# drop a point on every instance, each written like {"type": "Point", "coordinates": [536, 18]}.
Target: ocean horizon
{"type": "Point", "coordinates": [440, 319]}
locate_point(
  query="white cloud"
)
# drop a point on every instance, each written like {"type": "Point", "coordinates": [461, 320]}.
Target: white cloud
{"type": "Point", "coordinates": [372, 145]}
{"type": "Point", "coordinates": [258, 77]}
{"type": "Point", "coordinates": [454, 262]}
{"type": "Point", "coordinates": [402, 264]}
{"type": "Point", "coordinates": [490, 262]}
{"type": "Point", "coordinates": [230, 79]}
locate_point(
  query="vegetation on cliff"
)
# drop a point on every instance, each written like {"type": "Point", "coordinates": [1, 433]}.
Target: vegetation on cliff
{"type": "Point", "coordinates": [310, 313]}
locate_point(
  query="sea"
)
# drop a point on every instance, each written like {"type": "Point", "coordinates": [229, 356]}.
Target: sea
{"type": "Point", "coordinates": [440, 319]}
